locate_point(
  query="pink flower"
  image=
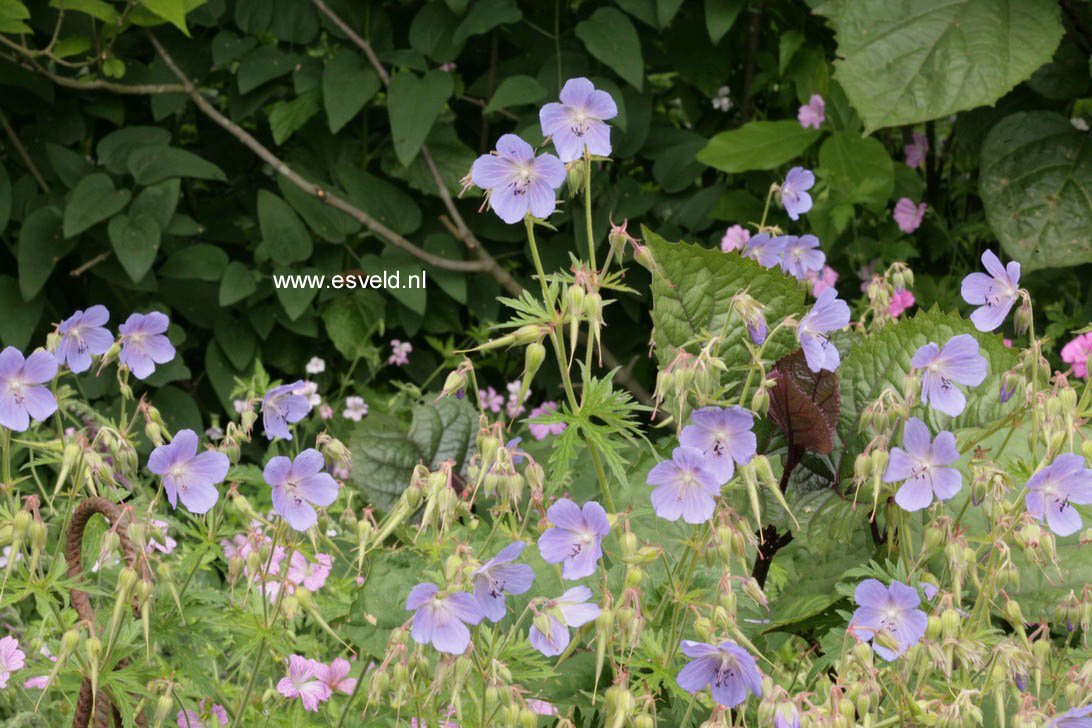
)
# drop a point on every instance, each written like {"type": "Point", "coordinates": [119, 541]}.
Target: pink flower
{"type": "Point", "coordinates": [301, 683]}
{"type": "Point", "coordinates": [916, 151]}
{"type": "Point", "coordinates": [355, 408]}
{"type": "Point", "coordinates": [11, 659]}
{"type": "Point", "coordinates": [400, 351]}
{"type": "Point", "coordinates": [812, 113]}
{"type": "Point", "coordinates": [821, 280]}
{"type": "Point", "coordinates": [1076, 353]}
{"type": "Point", "coordinates": [514, 408]}
{"type": "Point", "coordinates": [540, 432]}
{"type": "Point", "coordinates": [490, 399]}
{"type": "Point", "coordinates": [541, 707]}
{"type": "Point", "coordinates": [1007, 343]}
{"type": "Point", "coordinates": [334, 676]}
{"type": "Point", "coordinates": [907, 215]}
{"type": "Point", "coordinates": [312, 574]}
{"type": "Point", "coordinates": [200, 719]}
{"type": "Point", "coordinates": [901, 301]}
{"type": "Point", "coordinates": [168, 543]}
{"type": "Point", "coordinates": [734, 238]}
{"type": "Point", "coordinates": [325, 411]}
{"type": "Point", "coordinates": [37, 682]}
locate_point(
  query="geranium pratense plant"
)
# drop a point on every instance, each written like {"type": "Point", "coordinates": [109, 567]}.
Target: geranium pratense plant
{"type": "Point", "coordinates": [833, 512]}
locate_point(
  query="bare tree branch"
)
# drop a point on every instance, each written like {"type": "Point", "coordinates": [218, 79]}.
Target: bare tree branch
{"type": "Point", "coordinates": [23, 153]}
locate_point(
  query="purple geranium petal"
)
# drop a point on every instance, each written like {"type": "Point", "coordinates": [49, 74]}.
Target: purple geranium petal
{"type": "Point", "coordinates": [83, 335]}
{"type": "Point", "coordinates": [802, 256]}
{"type": "Point", "coordinates": [518, 181]}
{"type": "Point", "coordinates": [143, 344]}
{"type": "Point", "coordinates": [282, 407]}
{"type": "Point", "coordinates": [22, 396]}
{"type": "Point", "coordinates": [1053, 490]}
{"type": "Point", "coordinates": [187, 475]}
{"type": "Point", "coordinates": [794, 197]}
{"type": "Point", "coordinates": [894, 609]}
{"type": "Point", "coordinates": [576, 540]}
{"type": "Point", "coordinates": [299, 484]}
{"type": "Point", "coordinates": [727, 668]}
{"type": "Point", "coordinates": [958, 362]}
{"type": "Point", "coordinates": [994, 294]}
{"type": "Point", "coordinates": [827, 315]}
{"type": "Point", "coordinates": [577, 122]}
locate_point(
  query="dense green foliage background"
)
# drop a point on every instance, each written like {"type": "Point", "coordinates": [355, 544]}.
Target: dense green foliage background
{"type": "Point", "coordinates": [115, 187]}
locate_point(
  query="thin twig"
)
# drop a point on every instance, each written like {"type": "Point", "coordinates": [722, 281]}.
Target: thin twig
{"type": "Point", "coordinates": [142, 89]}
{"type": "Point", "coordinates": [23, 153]}
{"type": "Point", "coordinates": [323, 195]}
{"type": "Point", "coordinates": [91, 263]}
{"type": "Point", "coordinates": [356, 39]}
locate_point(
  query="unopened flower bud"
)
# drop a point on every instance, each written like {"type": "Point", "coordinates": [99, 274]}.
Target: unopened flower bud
{"type": "Point", "coordinates": [163, 706]}
{"type": "Point", "coordinates": [760, 402]}
{"type": "Point", "coordinates": [628, 541]}
{"type": "Point", "coordinates": [1022, 317]}
{"type": "Point", "coordinates": [1012, 609]}
{"type": "Point", "coordinates": [950, 623]}
{"type": "Point", "coordinates": [634, 576]}
{"type": "Point", "coordinates": [643, 255]}
{"type": "Point", "coordinates": [931, 539]}
{"type": "Point", "coordinates": [455, 381]}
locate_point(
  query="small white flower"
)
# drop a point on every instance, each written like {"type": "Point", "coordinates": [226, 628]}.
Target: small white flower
{"type": "Point", "coordinates": [1079, 123]}
{"type": "Point", "coordinates": [315, 366]}
{"type": "Point", "coordinates": [355, 408]}
{"type": "Point", "coordinates": [310, 391]}
{"type": "Point", "coordinates": [214, 433]}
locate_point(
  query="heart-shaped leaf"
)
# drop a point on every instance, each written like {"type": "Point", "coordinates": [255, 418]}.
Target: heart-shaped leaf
{"type": "Point", "coordinates": [93, 200]}
{"type": "Point", "coordinates": [135, 239]}
{"type": "Point", "coordinates": [414, 103]}
{"type": "Point", "coordinates": [805, 404]}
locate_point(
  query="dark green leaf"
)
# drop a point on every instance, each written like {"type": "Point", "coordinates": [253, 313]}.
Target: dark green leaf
{"type": "Point", "coordinates": [288, 117]}
{"type": "Point", "coordinates": [228, 47]}
{"type": "Point", "coordinates": [294, 300]}
{"type": "Point", "coordinates": [263, 64]}
{"type": "Point", "coordinates": [201, 262]}
{"type": "Point", "coordinates": [380, 199]}
{"type": "Point", "coordinates": [284, 238]}
{"type": "Point", "coordinates": [12, 15]}
{"type": "Point", "coordinates": [238, 283]}
{"type": "Point", "coordinates": [719, 17]}
{"type": "Point", "coordinates": [93, 200]}
{"type": "Point", "coordinates": [236, 339]}
{"type": "Point", "coordinates": [610, 36]}
{"type": "Point", "coordinates": [1036, 184]}
{"type": "Point", "coordinates": [351, 320]}
{"type": "Point", "coordinates": [135, 239]}
{"type": "Point", "coordinates": [484, 16]}
{"type": "Point", "coordinates": [328, 222]}
{"type": "Point", "coordinates": [348, 82]}
{"type": "Point", "coordinates": [383, 459]}
{"type": "Point", "coordinates": [158, 201]}
{"type": "Point", "coordinates": [5, 198]}
{"type": "Point", "coordinates": [178, 408]}
{"type": "Point", "coordinates": [516, 91]}
{"type": "Point", "coordinates": [149, 165]}
{"type": "Point", "coordinates": [114, 148]}
{"type": "Point", "coordinates": [20, 317]}
{"type": "Point", "coordinates": [414, 103]}
{"type": "Point", "coordinates": [864, 172]}
{"type": "Point", "coordinates": [443, 431]}
{"type": "Point", "coordinates": [220, 372]}
{"type": "Point", "coordinates": [41, 244]}
{"type": "Point", "coordinates": [757, 145]}
{"type": "Point", "coordinates": [69, 166]}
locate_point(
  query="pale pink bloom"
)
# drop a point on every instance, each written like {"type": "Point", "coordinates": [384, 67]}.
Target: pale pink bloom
{"type": "Point", "coordinates": [400, 351]}
{"type": "Point", "coordinates": [303, 683]}
{"type": "Point", "coordinates": [342, 471]}
{"type": "Point", "coordinates": [359, 581]}
{"type": "Point", "coordinates": [491, 399]}
{"type": "Point", "coordinates": [540, 432]}
{"type": "Point", "coordinates": [901, 301]}
{"type": "Point", "coordinates": [541, 707]}
{"type": "Point", "coordinates": [907, 215]}
{"type": "Point", "coordinates": [514, 408]}
{"type": "Point", "coordinates": [355, 408]}
{"type": "Point", "coordinates": [335, 676]}
{"type": "Point", "coordinates": [11, 659]}
{"type": "Point", "coordinates": [191, 719]}
{"type": "Point", "coordinates": [821, 280]}
{"type": "Point", "coordinates": [812, 113]}
{"type": "Point", "coordinates": [1076, 353]}
{"type": "Point", "coordinates": [168, 543]}
{"type": "Point", "coordinates": [1007, 342]}
{"type": "Point", "coordinates": [734, 238]}
{"type": "Point", "coordinates": [916, 151]}
{"type": "Point", "coordinates": [39, 682]}
{"type": "Point", "coordinates": [315, 366]}
{"type": "Point", "coordinates": [242, 405]}
{"type": "Point", "coordinates": [325, 411]}
{"type": "Point", "coordinates": [447, 67]}
{"type": "Point", "coordinates": [312, 574]}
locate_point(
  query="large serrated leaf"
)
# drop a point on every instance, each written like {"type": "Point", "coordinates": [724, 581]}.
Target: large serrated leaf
{"type": "Point", "coordinates": [907, 62]}
{"type": "Point", "coordinates": [1042, 588]}
{"type": "Point", "coordinates": [692, 292]}
{"type": "Point", "coordinates": [1036, 186]}
{"type": "Point", "coordinates": [883, 360]}
{"type": "Point", "coordinates": [384, 456]}
{"type": "Point", "coordinates": [805, 403]}
{"type": "Point", "coordinates": [442, 431]}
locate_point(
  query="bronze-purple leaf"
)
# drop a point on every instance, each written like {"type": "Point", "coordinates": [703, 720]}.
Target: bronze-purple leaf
{"type": "Point", "coordinates": [805, 404]}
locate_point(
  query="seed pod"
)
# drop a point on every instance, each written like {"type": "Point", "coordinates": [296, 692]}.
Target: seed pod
{"type": "Point", "coordinates": [634, 576]}
{"type": "Point", "coordinates": [643, 255]}
{"type": "Point", "coordinates": [760, 402]}
{"type": "Point", "coordinates": [163, 707]}
{"type": "Point", "coordinates": [950, 623]}
{"type": "Point", "coordinates": [628, 541]}
{"type": "Point", "coordinates": [1012, 609]}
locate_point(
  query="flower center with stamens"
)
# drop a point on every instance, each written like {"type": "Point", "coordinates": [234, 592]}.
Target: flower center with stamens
{"type": "Point", "coordinates": [725, 672]}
